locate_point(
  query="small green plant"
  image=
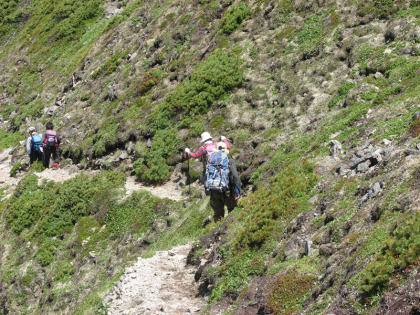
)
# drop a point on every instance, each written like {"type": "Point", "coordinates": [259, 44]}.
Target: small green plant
{"type": "Point", "coordinates": [9, 139]}
{"type": "Point", "coordinates": [401, 252]}
{"type": "Point", "coordinates": [343, 90]}
{"type": "Point", "coordinates": [285, 10]}
{"type": "Point", "coordinates": [379, 8]}
{"type": "Point", "coordinates": [38, 166]}
{"type": "Point", "coordinates": [85, 97]}
{"type": "Point", "coordinates": [234, 17]}
{"type": "Point", "coordinates": [286, 197]}
{"type": "Point", "coordinates": [15, 168]}
{"type": "Point", "coordinates": [47, 251]}
{"type": "Point", "coordinates": [153, 167]}
{"type": "Point", "coordinates": [289, 292]}
{"type": "Point", "coordinates": [236, 272]}
{"type": "Point", "coordinates": [111, 64]}
{"type": "Point", "coordinates": [211, 81]}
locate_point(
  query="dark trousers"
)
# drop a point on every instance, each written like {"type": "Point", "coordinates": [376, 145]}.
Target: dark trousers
{"type": "Point", "coordinates": [35, 156]}
{"type": "Point", "coordinates": [218, 200]}
{"type": "Point", "coordinates": [48, 151]}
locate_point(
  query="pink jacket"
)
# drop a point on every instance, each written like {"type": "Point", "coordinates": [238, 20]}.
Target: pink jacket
{"type": "Point", "coordinates": [206, 148]}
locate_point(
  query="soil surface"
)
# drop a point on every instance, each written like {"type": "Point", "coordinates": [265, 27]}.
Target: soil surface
{"type": "Point", "coordinates": [162, 284]}
{"type": "Point", "coordinates": [168, 190]}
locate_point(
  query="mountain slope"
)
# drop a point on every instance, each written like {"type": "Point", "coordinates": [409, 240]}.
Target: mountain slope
{"type": "Point", "coordinates": [319, 100]}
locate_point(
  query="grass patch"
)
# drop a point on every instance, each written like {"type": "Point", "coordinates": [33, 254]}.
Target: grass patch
{"type": "Point", "coordinates": [289, 292]}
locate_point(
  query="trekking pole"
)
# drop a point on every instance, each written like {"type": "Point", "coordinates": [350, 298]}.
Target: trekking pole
{"type": "Point", "coordinates": [189, 179]}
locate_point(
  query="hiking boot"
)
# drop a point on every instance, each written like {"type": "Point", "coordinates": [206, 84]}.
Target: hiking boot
{"type": "Point", "coordinates": [55, 167]}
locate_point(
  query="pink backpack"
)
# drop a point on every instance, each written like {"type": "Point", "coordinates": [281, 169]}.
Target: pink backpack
{"type": "Point", "coordinates": [209, 148]}
{"type": "Point", "coordinates": [50, 138]}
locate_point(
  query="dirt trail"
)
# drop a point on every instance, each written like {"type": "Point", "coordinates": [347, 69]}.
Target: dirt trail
{"type": "Point", "coordinates": [168, 190]}
{"type": "Point", "coordinates": [162, 284]}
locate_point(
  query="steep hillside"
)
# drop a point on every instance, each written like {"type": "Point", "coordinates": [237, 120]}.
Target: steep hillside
{"type": "Point", "coordinates": [319, 100]}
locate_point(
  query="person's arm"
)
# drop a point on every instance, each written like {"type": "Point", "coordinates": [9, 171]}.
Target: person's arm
{"type": "Point", "coordinates": [235, 178]}
{"type": "Point", "coordinates": [58, 138]}
{"type": "Point", "coordinates": [28, 145]}
{"type": "Point", "coordinates": [197, 154]}
{"type": "Point", "coordinates": [223, 138]}
{"type": "Point", "coordinates": [42, 139]}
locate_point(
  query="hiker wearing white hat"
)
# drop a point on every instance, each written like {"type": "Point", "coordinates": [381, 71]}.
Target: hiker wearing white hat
{"type": "Point", "coordinates": [205, 150]}
{"type": "Point", "coordinates": [207, 146]}
{"type": "Point", "coordinates": [223, 181]}
{"type": "Point", "coordinates": [34, 146]}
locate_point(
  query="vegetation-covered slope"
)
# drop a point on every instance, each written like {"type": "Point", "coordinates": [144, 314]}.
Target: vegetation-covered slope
{"type": "Point", "coordinates": [324, 226]}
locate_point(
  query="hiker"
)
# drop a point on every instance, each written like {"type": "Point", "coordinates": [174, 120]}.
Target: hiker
{"type": "Point", "coordinates": [205, 150]}
{"type": "Point", "coordinates": [34, 146]}
{"type": "Point", "coordinates": [222, 182]}
{"type": "Point", "coordinates": [51, 140]}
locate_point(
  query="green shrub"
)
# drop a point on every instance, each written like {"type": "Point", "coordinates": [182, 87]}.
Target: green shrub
{"type": "Point", "coordinates": [111, 64]}
{"type": "Point", "coordinates": [153, 166]}
{"type": "Point", "coordinates": [401, 252]}
{"type": "Point", "coordinates": [196, 128]}
{"type": "Point", "coordinates": [310, 36]}
{"type": "Point", "coordinates": [343, 90]}
{"type": "Point", "coordinates": [8, 16]}
{"type": "Point", "coordinates": [234, 17]}
{"type": "Point", "coordinates": [285, 198]}
{"type": "Point", "coordinates": [47, 251]}
{"type": "Point", "coordinates": [15, 168]}
{"type": "Point", "coordinates": [26, 204]}
{"type": "Point", "coordinates": [63, 271]}
{"type": "Point", "coordinates": [379, 8]}
{"type": "Point", "coordinates": [285, 11]}
{"type": "Point", "coordinates": [236, 272]}
{"type": "Point", "coordinates": [9, 139]}
{"type": "Point", "coordinates": [50, 209]}
{"type": "Point", "coordinates": [289, 292]}
{"type": "Point", "coordinates": [135, 214]}
{"type": "Point", "coordinates": [185, 19]}
{"type": "Point", "coordinates": [213, 79]}
{"type": "Point", "coordinates": [105, 139]}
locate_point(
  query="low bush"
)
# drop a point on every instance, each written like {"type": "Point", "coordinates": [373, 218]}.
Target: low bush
{"type": "Point", "coordinates": [401, 252]}
{"type": "Point", "coordinates": [286, 197]}
{"type": "Point", "coordinates": [9, 139]}
{"type": "Point", "coordinates": [111, 64]}
{"type": "Point", "coordinates": [234, 17]}
{"type": "Point", "coordinates": [50, 209]}
{"type": "Point", "coordinates": [136, 213]}
{"type": "Point", "coordinates": [379, 8]}
{"type": "Point", "coordinates": [289, 292]}
{"type": "Point", "coordinates": [213, 79]}
{"type": "Point", "coordinates": [153, 167]}
{"type": "Point", "coordinates": [236, 272]}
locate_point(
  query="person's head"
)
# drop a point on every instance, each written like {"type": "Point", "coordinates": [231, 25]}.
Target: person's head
{"type": "Point", "coordinates": [49, 126]}
{"type": "Point", "coordinates": [31, 130]}
{"type": "Point", "coordinates": [221, 146]}
{"type": "Point", "coordinates": [205, 136]}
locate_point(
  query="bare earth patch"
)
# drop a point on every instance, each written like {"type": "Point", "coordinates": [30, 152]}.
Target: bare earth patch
{"type": "Point", "coordinates": [162, 284]}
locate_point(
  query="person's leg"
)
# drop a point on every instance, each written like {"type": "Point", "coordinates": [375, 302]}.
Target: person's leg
{"type": "Point", "coordinates": [218, 205]}
{"type": "Point", "coordinates": [40, 156]}
{"type": "Point", "coordinates": [32, 157]}
{"type": "Point", "coordinates": [230, 202]}
{"type": "Point", "coordinates": [56, 156]}
{"type": "Point", "coordinates": [47, 156]}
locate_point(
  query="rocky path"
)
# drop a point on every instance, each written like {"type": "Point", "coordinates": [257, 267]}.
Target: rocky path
{"type": "Point", "coordinates": [168, 190]}
{"type": "Point", "coordinates": [162, 284]}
